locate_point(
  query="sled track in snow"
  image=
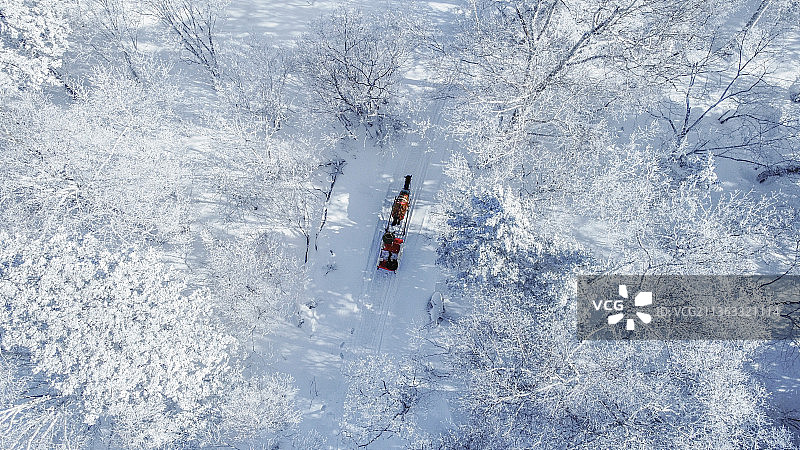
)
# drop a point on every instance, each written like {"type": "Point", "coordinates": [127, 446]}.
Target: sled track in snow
{"type": "Point", "coordinates": [412, 238]}
{"type": "Point", "coordinates": [411, 242]}
{"type": "Point", "coordinates": [379, 289]}
{"type": "Point", "coordinates": [385, 290]}
{"type": "Point", "coordinates": [375, 283]}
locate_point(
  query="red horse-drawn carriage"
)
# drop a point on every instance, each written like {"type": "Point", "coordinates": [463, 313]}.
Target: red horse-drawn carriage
{"type": "Point", "coordinates": [396, 227]}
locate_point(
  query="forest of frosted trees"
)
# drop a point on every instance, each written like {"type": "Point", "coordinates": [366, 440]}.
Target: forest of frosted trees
{"type": "Point", "coordinates": [165, 182]}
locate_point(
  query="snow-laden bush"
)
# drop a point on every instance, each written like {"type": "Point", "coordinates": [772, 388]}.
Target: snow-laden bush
{"type": "Point", "coordinates": [115, 33]}
{"type": "Point", "coordinates": [382, 399]}
{"type": "Point", "coordinates": [33, 38]}
{"type": "Point", "coordinates": [256, 408]}
{"type": "Point", "coordinates": [253, 84]}
{"type": "Point", "coordinates": [193, 24]}
{"type": "Point", "coordinates": [257, 286]}
{"type": "Point", "coordinates": [268, 178]}
{"type": "Point", "coordinates": [353, 60]}
{"type": "Point", "coordinates": [34, 421]}
{"type": "Point", "coordinates": [489, 240]}
{"type": "Point", "coordinates": [684, 223]}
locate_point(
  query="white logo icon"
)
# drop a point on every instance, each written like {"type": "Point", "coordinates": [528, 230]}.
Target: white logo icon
{"type": "Point", "coordinates": [641, 299]}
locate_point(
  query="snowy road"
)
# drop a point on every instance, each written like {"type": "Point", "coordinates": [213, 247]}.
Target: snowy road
{"type": "Point", "coordinates": [360, 310]}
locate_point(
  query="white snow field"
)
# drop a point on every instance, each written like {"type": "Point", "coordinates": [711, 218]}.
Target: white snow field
{"type": "Point", "coordinates": [193, 202]}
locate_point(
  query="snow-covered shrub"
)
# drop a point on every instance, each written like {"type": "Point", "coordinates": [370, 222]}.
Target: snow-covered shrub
{"type": "Point", "coordinates": [115, 334]}
{"type": "Point", "coordinates": [257, 174]}
{"type": "Point", "coordinates": [114, 33]}
{"type": "Point", "coordinates": [382, 397]}
{"type": "Point", "coordinates": [488, 238]}
{"type": "Point", "coordinates": [257, 285]}
{"type": "Point", "coordinates": [353, 61]}
{"type": "Point", "coordinates": [253, 83]}
{"type": "Point", "coordinates": [655, 219]}
{"type": "Point", "coordinates": [193, 23]}
{"type": "Point", "coordinates": [111, 161]}
{"type": "Point", "coordinates": [33, 38]}
{"type": "Point", "coordinates": [34, 421]}
{"type": "Point", "coordinates": [266, 177]}
{"type": "Point", "coordinates": [257, 408]}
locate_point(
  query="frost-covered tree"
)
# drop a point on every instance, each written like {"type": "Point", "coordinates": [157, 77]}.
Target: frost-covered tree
{"type": "Point", "coordinates": [256, 409]}
{"type": "Point", "coordinates": [488, 241]}
{"type": "Point", "coordinates": [537, 76]}
{"type": "Point", "coordinates": [556, 100]}
{"type": "Point", "coordinates": [194, 26]}
{"type": "Point", "coordinates": [383, 395]}
{"type": "Point", "coordinates": [257, 285]}
{"type": "Point", "coordinates": [538, 83]}
{"type": "Point", "coordinates": [723, 95]}
{"type": "Point", "coordinates": [115, 338]}
{"type": "Point", "coordinates": [254, 84]}
{"type": "Point", "coordinates": [29, 419]}
{"type": "Point", "coordinates": [265, 177]}
{"type": "Point", "coordinates": [528, 381]}
{"type": "Point", "coordinates": [112, 32]}
{"type": "Point", "coordinates": [111, 161]}
{"type": "Point", "coordinates": [113, 334]}
{"type": "Point", "coordinates": [656, 220]}
{"type": "Point", "coordinates": [33, 38]}
{"type": "Point", "coordinates": [353, 60]}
